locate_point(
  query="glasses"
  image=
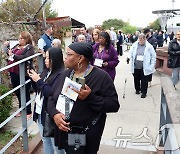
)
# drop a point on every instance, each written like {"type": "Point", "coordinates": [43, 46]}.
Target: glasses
{"type": "Point", "coordinates": [70, 54]}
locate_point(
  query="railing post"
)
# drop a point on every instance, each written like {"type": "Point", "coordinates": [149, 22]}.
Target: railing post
{"type": "Point", "coordinates": [0, 77]}
{"type": "Point", "coordinates": [40, 63]}
{"type": "Point", "coordinates": [23, 104]}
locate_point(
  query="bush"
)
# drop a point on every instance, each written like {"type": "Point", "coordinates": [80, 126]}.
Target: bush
{"type": "Point", "coordinates": [5, 103]}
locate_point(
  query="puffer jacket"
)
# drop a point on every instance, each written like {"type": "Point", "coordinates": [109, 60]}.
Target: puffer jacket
{"type": "Point", "coordinates": [174, 53]}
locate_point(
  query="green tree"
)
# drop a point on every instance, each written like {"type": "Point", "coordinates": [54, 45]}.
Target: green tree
{"type": "Point", "coordinates": [155, 25]}
{"type": "Point", "coordinates": [116, 23]}
{"type": "Point", "coordinates": [23, 10]}
{"type": "Point", "coordinates": [129, 29]}
{"type": "Point", "coordinates": [119, 24]}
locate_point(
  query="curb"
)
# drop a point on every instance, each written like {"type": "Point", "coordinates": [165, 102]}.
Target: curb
{"type": "Point", "coordinates": [34, 145]}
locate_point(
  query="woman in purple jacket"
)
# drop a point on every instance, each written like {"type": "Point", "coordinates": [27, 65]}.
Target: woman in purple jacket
{"type": "Point", "coordinates": [105, 55]}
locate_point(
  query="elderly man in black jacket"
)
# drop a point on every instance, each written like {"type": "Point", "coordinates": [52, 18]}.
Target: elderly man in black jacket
{"type": "Point", "coordinates": [174, 58]}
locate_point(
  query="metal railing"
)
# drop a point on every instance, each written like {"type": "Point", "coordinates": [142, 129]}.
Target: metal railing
{"type": "Point", "coordinates": [23, 102]}
{"type": "Point", "coordinates": [169, 118]}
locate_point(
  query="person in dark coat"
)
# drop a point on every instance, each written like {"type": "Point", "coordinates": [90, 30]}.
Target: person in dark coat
{"type": "Point", "coordinates": [174, 56]}
{"type": "Point", "coordinates": [153, 41]}
{"type": "Point", "coordinates": [119, 43]}
{"type": "Point", "coordinates": [93, 102]}
{"type": "Point", "coordinates": [160, 39]}
{"type": "Point", "coordinates": [43, 85]}
{"type": "Point", "coordinates": [105, 55]}
{"type": "Point", "coordinates": [171, 36]}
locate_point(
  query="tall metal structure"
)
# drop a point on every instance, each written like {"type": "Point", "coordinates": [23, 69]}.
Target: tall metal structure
{"type": "Point", "coordinates": [165, 15]}
{"type": "Point", "coordinates": [173, 2]}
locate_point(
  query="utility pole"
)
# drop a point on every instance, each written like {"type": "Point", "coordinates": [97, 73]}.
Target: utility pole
{"type": "Point", "coordinates": [44, 14]}
{"type": "Point", "coordinates": [172, 22]}
{"type": "Point", "coordinates": [173, 2]}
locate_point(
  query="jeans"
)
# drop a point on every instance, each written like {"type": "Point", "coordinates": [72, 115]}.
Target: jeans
{"type": "Point", "coordinates": [175, 75]}
{"type": "Point", "coordinates": [48, 142]}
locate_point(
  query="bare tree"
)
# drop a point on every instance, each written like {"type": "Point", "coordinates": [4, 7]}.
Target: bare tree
{"type": "Point", "coordinates": [23, 10]}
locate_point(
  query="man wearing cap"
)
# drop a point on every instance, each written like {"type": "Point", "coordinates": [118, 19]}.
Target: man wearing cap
{"type": "Point", "coordinates": [98, 97]}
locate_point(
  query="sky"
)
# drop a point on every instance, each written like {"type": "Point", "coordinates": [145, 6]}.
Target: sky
{"type": "Point", "coordinates": [94, 12]}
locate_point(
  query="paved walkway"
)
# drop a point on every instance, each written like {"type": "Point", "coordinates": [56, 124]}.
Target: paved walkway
{"type": "Point", "coordinates": [135, 115]}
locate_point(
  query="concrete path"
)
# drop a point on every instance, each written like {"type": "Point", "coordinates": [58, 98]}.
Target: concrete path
{"type": "Point", "coordinates": [135, 115]}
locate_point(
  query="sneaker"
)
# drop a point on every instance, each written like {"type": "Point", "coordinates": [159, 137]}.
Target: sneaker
{"type": "Point", "coordinates": [137, 92]}
{"type": "Point", "coordinates": [143, 96]}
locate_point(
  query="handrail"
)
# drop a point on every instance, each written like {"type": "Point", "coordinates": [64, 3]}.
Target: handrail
{"type": "Point", "coordinates": [172, 98]}
{"type": "Point", "coordinates": [19, 62]}
{"type": "Point", "coordinates": [170, 116]}
{"type": "Point", "coordinates": [14, 114]}
{"type": "Point", "coordinates": [23, 131]}
{"type": "Point", "coordinates": [14, 89]}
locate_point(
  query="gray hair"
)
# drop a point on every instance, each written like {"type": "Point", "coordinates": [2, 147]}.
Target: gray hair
{"type": "Point", "coordinates": [47, 27]}
{"type": "Point", "coordinates": [142, 35]}
{"type": "Point", "coordinates": [81, 36]}
{"type": "Point", "coordinates": [56, 43]}
{"type": "Point", "coordinates": [178, 32]}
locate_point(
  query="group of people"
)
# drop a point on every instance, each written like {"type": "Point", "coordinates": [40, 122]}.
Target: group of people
{"type": "Point", "coordinates": [143, 59]}
{"type": "Point", "coordinates": [92, 58]}
{"type": "Point", "coordinates": [115, 39]}
{"type": "Point", "coordinates": [94, 63]}
{"type": "Point", "coordinates": [105, 56]}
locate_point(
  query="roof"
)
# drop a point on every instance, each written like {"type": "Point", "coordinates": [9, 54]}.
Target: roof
{"type": "Point", "coordinates": [174, 11]}
{"type": "Point", "coordinates": [76, 24]}
{"type": "Point", "coordinates": [65, 21]}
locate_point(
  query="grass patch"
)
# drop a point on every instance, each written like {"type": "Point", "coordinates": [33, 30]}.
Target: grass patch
{"type": "Point", "coordinates": [5, 137]}
{"type": "Point", "coordinates": [17, 146]}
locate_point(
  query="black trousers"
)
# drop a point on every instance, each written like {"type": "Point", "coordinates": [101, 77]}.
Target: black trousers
{"type": "Point", "coordinates": [119, 49]}
{"type": "Point", "coordinates": [150, 78]}
{"type": "Point", "coordinates": [15, 80]}
{"type": "Point", "coordinates": [140, 81]}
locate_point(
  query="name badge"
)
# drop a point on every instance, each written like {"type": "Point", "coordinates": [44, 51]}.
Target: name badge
{"type": "Point", "coordinates": [98, 62]}
{"type": "Point", "coordinates": [60, 106]}
{"type": "Point", "coordinates": [39, 102]}
{"type": "Point", "coordinates": [140, 58]}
